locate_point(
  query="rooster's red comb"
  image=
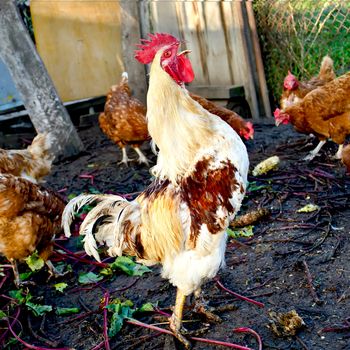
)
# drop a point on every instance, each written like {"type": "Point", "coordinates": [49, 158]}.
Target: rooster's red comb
{"type": "Point", "coordinates": [148, 48]}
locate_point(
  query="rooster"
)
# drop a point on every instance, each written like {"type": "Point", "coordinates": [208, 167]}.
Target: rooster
{"type": "Point", "coordinates": [32, 163]}
{"type": "Point", "coordinates": [236, 122]}
{"type": "Point", "coordinates": [124, 119]}
{"type": "Point", "coordinates": [324, 112]}
{"type": "Point", "coordinates": [30, 216]}
{"type": "Point", "coordinates": [180, 220]}
{"type": "Point", "coordinates": [294, 91]}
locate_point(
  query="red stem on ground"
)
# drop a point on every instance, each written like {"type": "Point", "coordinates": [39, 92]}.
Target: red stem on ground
{"type": "Point", "coordinates": [238, 296]}
{"type": "Point", "coordinates": [29, 346]}
{"type": "Point", "coordinates": [203, 340]}
{"type": "Point", "coordinates": [251, 331]}
{"type": "Point", "coordinates": [98, 346]}
{"type": "Point", "coordinates": [78, 258]}
{"type": "Point", "coordinates": [15, 319]}
{"type": "Point", "coordinates": [105, 320]}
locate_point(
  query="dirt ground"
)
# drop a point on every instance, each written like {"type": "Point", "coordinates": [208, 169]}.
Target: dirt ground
{"type": "Point", "coordinates": [294, 261]}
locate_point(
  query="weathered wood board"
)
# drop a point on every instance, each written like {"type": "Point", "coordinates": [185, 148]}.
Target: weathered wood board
{"type": "Point", "coordinates": [80, 44]}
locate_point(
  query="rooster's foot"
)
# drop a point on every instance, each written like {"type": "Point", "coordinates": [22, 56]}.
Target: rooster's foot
{"type": "Point", "coordinates": [178, 332]}
{"type": "Point", "coordinates": [201, 307]}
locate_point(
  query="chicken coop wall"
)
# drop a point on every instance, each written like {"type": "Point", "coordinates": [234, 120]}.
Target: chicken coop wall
{"type": "Point", "coordinates": [80, 44]}
{"type": "Point", "coordinates": [87, 44]}
{"type": "Point", "coordinates": [296, 34]}
{"type": "Point", "coordinates": [223, 39]}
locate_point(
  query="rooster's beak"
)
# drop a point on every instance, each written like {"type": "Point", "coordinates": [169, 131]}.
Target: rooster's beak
{"type": "Point", "coordinates": [184, 52]}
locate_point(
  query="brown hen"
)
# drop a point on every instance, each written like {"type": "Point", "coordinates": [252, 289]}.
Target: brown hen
{"type": "Point", "coordinates": [32, 163]}
{"type": "Point", "coordinates": [124, 119]}
{"type": "Point", "coordinates": [236, 122]}
{"type": "Point", "coordinates": [295, 90]}
{"type": "Point", "coordinates": [30, 216]}
{"type": "Point", "coordinates": [324, 112]}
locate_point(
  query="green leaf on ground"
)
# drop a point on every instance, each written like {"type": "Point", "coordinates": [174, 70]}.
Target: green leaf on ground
{"type": "Point", "coordinates": [2, 315]}
{"type": "Point", "coordinates": [129, 266]}
{"type": "Point", "coordinates": [89, 277]}
{"type": "Point", "coordinates": [60, 287]}
{"type": "Point", "coordinates": [37, 309]}
{"type": "Point", "coordinates": [241, 232]}
{"type": "Point", "coordinates": [147, 307]}
{"type": "Point", "coordinates": [18, 294]}
{"type": "Point", "coordinates": [34, 262]}
{"type": "Point", "coordinates": [121, 311]}
{"type": "Point", "coordinates": [25, 275]}
{"type": "Point", "coordinates": [61, 311]}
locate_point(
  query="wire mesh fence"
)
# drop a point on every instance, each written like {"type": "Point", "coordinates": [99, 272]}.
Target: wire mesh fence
{"type": "Point", "coordinates": [296, 34]}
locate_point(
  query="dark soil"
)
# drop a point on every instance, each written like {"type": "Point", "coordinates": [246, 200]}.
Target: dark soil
{"type": "Point", "coordinates": [269, 267]}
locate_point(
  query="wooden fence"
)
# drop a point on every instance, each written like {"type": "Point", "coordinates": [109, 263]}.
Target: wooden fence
{"type": "Point", "coordinates": [221, 34]}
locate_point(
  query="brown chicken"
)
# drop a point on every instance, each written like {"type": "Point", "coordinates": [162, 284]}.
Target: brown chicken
{"type": "Point", "coordinates": [30, 216]}
{"type": "Point", "coordinates": [324, 112]}
{"type": "Point", "coordinates": [294, 90]}
{"type": "Point", "coordinates": [236, 122]}
{"type": "Point", "coordinates": [32, 163]}
{"type": "Point", "coordinates": [124, 119]}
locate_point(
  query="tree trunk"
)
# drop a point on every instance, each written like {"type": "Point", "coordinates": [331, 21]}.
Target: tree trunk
{"type": "Point", "coordinates": [33, 83]}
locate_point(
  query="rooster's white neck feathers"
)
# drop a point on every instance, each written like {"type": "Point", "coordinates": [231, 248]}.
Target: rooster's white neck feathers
{"type": "Point", "coordinates": [179, 126]}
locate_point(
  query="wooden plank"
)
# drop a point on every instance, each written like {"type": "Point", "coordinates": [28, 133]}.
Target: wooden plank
{"type": "Point", "coordinates": [258, 59]}
{"type": "Point", "coordinates": [32, 81]}
{"type": "Point", "coordinates": [242, 69]}
{"type": "Point", "coordinates": [217, 58]}
{"type": "Point", "coordinates": [80, 44]}
{"type": "Point", "coordinates": [192, 31]}
{"type": "Point", "coordinates": [131, 35]}
{"type": "Point", "coordinates": [219, 92]}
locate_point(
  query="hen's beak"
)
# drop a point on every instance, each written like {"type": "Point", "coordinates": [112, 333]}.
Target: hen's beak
{"type": "Point", "coordinates": [277, 122]}
{"type": "Point", "coordinates": [184, 52]}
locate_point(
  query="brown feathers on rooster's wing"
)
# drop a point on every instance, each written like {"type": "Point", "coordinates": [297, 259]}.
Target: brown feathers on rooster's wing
{"type": "Point", "coordinates": [180, 221]}
{"type": "Point", "coordinates": [236, 122]}
{"type": "Point", "coordinates": [32, 163]}
{"type": "Point", "coordinates": [30, 216]}
{"type": "Point", "coordinates": [324, 112]}
{"type": "Point", "coordinates": [124, 119]}
{"type": "Point", "coordinates": [295, 90]}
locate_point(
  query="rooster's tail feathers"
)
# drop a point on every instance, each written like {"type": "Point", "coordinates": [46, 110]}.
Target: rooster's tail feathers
{"type": "Point", "coordinates": [73, 207]}
{"type": "Point", "coordinates": [102, 224]}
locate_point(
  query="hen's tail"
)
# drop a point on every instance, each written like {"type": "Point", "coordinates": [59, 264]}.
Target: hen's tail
{"type": "Point", "coordinates": [327, 69]}
{"type": "Point", "coordinates": [41, 146]}
{"type": "Point", "coordinates": [105, 223]}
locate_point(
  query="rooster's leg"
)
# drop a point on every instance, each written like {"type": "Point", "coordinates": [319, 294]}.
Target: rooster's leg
{"type": "Point", "coordinates": [339, 152]}
{"type": "Point", "coordinates": [201, 308]}
{"type": "Point", "coordinates": [125, 158]}
{"type": "Point", "coordinates": [142, 158]}
{"type": "Point", "coordinates": [175, 321]}
{"type": "Point", "coordinates": [314, 152]}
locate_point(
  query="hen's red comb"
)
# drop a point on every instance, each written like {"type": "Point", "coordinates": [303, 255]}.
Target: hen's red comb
{"type": "Point", "coordinates": [148, 48]}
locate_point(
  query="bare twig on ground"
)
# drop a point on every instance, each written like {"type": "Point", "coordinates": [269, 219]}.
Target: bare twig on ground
{"type": "Point", "coordinates": [314, 295]}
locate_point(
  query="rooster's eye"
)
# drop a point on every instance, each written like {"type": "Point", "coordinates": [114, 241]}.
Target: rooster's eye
{"type": "Point", "coordinates": [167, 54]}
